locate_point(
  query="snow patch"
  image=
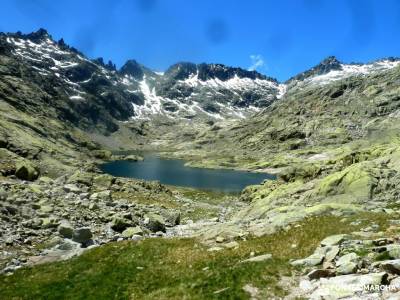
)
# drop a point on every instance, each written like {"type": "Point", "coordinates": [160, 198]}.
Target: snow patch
{"type": "Point", "coordinates": [76, 97]}
{"type": "Point", "coordinates": [152, 102]}
{"type": "Point", "coordinates": [353, 70]}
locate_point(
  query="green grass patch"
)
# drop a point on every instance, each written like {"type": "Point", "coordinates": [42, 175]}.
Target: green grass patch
{"type": "Point", "coordinates": [211, 199]}
{"type": "Point", "coordinates": [383, 256]}
{"type": "Point", "coordinates": [206, 196]}
{"type": "Point", "coordinates": [176, 268]}
{"type": "Point", "coordinates": [148, 198]}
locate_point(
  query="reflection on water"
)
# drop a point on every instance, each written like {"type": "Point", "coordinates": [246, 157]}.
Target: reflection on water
{"type": "Point", "coordinates": [173, 172]}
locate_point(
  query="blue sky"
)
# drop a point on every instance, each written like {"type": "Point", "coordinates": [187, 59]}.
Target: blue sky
{"type": "Point", "coordinates": [278, 38]}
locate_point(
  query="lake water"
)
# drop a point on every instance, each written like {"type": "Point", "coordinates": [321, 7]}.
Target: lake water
{"type": "Point", "coordinates": [174, 172]}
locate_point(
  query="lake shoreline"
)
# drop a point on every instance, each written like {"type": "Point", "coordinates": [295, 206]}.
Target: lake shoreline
{"type": "Point", "coordinates": [177, 172]}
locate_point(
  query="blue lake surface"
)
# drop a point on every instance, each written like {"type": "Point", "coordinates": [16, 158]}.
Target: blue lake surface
{"type": "Point", "coordinates": [174, 172]}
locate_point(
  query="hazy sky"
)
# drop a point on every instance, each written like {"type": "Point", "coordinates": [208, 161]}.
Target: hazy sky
{"type": "Point", "coordinates": [278, 38]}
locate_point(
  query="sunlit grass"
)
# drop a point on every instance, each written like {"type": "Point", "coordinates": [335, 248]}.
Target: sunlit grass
{"type": "Point", "coordinates": [178, 268]}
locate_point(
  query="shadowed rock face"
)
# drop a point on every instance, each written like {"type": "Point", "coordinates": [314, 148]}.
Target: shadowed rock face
{"type": "Point", "coordinates": [92, 93]}
{"type": "Point", "coordinates": [181, 71]}
{"type": "Point", "coordinates": [222, 72]}
{"type": "Point", "coordinates": [132, 68]}
{"type": "Point", "coordinates": [36, 72]}
{"type": "Point", "coordinates": [184, 70]}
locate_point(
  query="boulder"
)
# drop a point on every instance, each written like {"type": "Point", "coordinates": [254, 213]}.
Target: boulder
{"type": "Point", "coordinates": [220, 239]}
{"type": "Point", "coordinates": [382, 241]}
{"type": "Point", "coordinates": [36, 223]}
{"type": "Point", "coordinates": [93, 206]}
{"type": "Point", "coordinates": [26, 171]}
{"type": "Point", "coordinates": [36, 188]}
{"type": "Point", "coordinates": [12, 210]}
{"type": "Point", "coordinates": [119, 224]}
{"type": "Point", "coordinates": [9, 240]}
{"type": "Point", "coordinates": [46, 180]}
{"type": "Point", "coordinates": [252, 291]}
{"type": "Point", "coordinates": [349, 257]}
{"type": "Point", "coordinates": [72, 188]}
{"type": "Point", "coordinates": [321, 273]}
{"type": "Point", "coordinates": [104, 196]}
{"type": "Point", "coordinates": [392, 266]}
{"type": "Point", "coordinates": [133, 158]}
{"type": "Point", "coordinates": [346, 268]}
{"type": "Point", "coordinates": [215, 249]}
{"type": "Point", "coordinates": [258, 258]}
{"type": "Point", "coordinates": [65, 229]}
{"type": "Point", "coordinates": [46, 209]}
{"type": "Point", "coordinates": [231, 245]}
{"type": "Point", "coordinates": [103, 181]}
{"type": "Point", "coordinates": [394, 251]}
{"type": "Point", "coordinates": [102, 154]}
{"type": "Point", "coordinates": [82, 235]}
{"type": "Point", "coordinates": [3, 195]}
{"type": "Point", "coordinates": [155, 222]}
{"type": "Point", "coordinates": [81, 177]}
{"type": "Point", "coordinates": [346, 285]}
{"type": "Point", "coordinates": [67, 245]}
{"type": "Point", "coordinates": [227, 231]}
{"type": "Point", "coordinates": [51, 222]}
{"type": "Point", "coordinates": [334, 240]}
{"type": "Point", "coordinates": [357, 180]}
{"type": "Point", "coordinates": [173, 217]}
{"type": "Point", "coordinates": [331, 253]}
{"type": "Point", "coordinates": [131, 231]}
{"type": "Point", "coordinates": [311, 261]}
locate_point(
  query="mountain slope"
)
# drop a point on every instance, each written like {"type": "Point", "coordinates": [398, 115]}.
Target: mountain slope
{"type": "Point", "coordinates": [44, 78]}
{"type": "Point", "coordinates": [190, 91]}
{"type": "Point", "coordinates": [184, 91]}
{"type": "Point", "coordinates": [81, 92]}
{"type": "Point", "coordinates": [331, 134]}
{"type": "Point", "coordinates": [331, 69]}
{"type": "Point", "coordinates": [335, 148]}
{"type": "Point", "coordinates": [327, 105]}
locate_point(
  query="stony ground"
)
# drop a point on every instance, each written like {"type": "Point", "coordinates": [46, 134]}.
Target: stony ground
{"type": "Point", "coordinates": [53, 227]}
{"type": "Point", "coordinates": [47, 219]}
{"type": "Point", "coordinates": [51, 216]}
{"type": "Point", "coordinates": [329, 220]}
{"type": "Point", "coordinates": [357, 266]}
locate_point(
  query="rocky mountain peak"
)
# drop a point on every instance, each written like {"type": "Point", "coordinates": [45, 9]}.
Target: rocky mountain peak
{"type": "Point", "coordinates": [109, 66]}
{"type": "Point", "coordinates": [328, 64]}
{"type": "Point", "coordinates": [204, 71]}
{"type": "Point", "coordinates": [325, 66]}
{"type": "Point", "coordinates": [222, 72]}
{"type": "Point", "coordinates": [330, 60]}
{"type": "Point", "coordinates": [181, 70]}
{"type": "Point", "coordinates": [36, 36]}
{"type": "Point", "coordinates": [133, 68]}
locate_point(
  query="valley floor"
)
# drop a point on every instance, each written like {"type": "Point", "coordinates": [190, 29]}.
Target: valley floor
{"type": "Point", "coordinates": [131, 239]}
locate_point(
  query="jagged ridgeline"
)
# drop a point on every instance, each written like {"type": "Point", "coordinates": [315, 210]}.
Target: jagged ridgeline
{"type": "Point", "coordinates": [330, 134]}
{"type": "Point", "coordinates": [91, 94]}
{"type": "Point", "coordinates": [87, 92]}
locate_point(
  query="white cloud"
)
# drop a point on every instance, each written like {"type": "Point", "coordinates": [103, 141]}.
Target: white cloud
{"type": "Point", "coordinates": [257, 61]}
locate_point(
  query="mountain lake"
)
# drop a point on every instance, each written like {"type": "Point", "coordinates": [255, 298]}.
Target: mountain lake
{"type": "Point", "coordinates": [174, 172]}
